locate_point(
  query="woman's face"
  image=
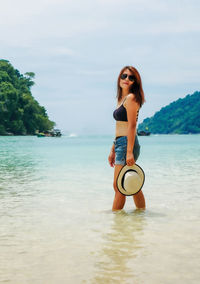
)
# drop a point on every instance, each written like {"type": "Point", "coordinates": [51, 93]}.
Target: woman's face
{"type": "Point", "coordinates": [125, 80]}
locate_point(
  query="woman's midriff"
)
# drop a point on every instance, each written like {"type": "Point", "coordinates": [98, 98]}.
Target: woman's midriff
{"type": "Point", "coordinates": [121, 128]}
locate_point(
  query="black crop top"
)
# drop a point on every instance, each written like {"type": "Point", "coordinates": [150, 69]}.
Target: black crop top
{"type": "Point", "coordinates": [120, 113]}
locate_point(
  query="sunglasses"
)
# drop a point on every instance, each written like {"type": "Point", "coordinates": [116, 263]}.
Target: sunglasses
{"type": "Point", "coordinates": [130, 77]}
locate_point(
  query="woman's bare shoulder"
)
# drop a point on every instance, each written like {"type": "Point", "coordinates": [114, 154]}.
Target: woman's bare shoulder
{"type": "Point", "coordinates": [130, 99]}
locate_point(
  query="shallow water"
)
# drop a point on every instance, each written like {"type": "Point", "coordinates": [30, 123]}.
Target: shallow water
{"type": "Point", "coordinates": [56, 223]}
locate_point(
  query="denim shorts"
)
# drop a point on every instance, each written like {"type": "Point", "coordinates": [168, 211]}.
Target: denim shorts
{"type": "Point", "coordinates": [121, 147]}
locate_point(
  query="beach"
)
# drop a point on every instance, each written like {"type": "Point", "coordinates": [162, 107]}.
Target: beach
{"type": "Point", "coordinates": [56, 223]}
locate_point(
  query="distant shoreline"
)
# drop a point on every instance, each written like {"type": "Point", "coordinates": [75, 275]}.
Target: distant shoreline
{"type": "Point", "coordinates": [83, 135]}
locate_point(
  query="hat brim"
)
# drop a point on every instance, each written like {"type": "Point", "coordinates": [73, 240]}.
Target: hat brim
{"type": "Point", "coordinates": [126, 168]}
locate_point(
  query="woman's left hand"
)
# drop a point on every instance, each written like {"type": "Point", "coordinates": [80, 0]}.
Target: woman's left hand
{"type": "Point", "coordinates": [130, 161]}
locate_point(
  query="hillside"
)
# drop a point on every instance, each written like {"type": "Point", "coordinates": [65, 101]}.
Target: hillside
{"type": "Point", "coordinates": [179, 117]}
{"type": "Point", "coordinates": [20, 113]}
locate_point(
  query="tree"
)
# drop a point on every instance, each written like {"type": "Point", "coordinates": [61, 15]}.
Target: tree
{"type": "Point", "coordinates": [20, 113]}
{"type": "Point", "coordinates": [181, 117]}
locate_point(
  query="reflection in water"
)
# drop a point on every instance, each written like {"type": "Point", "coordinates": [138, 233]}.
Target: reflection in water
{"type": "Point", "coordinates": [120, 247]}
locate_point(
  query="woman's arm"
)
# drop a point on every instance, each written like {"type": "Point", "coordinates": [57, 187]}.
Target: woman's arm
{"type": "Point", "coordinates": [131, 108]}
{"type": "Point", "coordinates": [111, 157]}
{"type": "Point", "coordinates": [112, 148]}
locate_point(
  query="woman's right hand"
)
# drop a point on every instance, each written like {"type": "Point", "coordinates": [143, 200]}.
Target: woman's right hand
{"type": "Point", "coordinates": [111, 158]}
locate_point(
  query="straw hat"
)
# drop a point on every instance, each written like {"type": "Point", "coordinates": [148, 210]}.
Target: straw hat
{"type": "Point", "coordinates": [130, 179]}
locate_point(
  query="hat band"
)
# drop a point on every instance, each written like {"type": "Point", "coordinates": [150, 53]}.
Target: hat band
{"type": "Point", "coordinates": [122, 181]}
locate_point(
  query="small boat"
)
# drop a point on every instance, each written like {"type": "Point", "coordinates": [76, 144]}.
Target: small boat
{"type": "Point", "coordinates": [50, 133]}
{"type": "Point", "coordinates": [41, 135]}
{"type": "Point", "coordinates": [55, 133]}
{"type": "Point", "coordinates": [143, 133]}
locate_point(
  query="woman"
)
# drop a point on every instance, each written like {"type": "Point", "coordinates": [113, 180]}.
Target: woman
{"type": "Point", "coordinates": [126, 148]}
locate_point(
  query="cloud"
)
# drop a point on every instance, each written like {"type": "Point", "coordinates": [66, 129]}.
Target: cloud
{"type": "Point", "coordinates": [61, 19]}
{"type": "Point", "coordinates": [51, 51]}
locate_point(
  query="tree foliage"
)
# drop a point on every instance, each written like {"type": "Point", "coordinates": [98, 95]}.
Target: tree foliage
{"type": "Point", "coordinates": [179, 117]}
{"type": "Point", "coordinates": [20, 113]}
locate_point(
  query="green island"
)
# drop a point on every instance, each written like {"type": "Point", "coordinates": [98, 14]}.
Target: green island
{"type": "Point", "coordinates": [20, 113]}
{"type": "Point", "coordinates": [179, 117]}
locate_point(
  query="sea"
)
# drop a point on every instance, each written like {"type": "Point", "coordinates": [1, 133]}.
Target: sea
{"type": "Point", "coordinates": [56, 222]}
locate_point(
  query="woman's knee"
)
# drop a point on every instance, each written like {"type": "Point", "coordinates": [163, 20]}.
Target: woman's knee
{"type": "Point", "coordinates": [139, 200]}
{"type": "Point", "coordinates": [118, 194]}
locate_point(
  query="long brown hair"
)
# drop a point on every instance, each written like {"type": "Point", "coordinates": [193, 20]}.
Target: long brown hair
{"type": "Point", "coordinates": [135, 88]}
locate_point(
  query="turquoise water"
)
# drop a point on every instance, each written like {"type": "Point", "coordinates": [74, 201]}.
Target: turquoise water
{"type": "Point", "coordinates": [56, 223]}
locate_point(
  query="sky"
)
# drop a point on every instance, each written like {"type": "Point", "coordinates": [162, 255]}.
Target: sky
{"type": "Point", "coordinates": [77, 48]}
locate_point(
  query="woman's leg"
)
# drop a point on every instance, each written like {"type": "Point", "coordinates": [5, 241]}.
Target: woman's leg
{"type": "Point", "coordinates": [139, 200]}
{"type": "Point", "coordinates": [119, 199]}
{"type": "Point", "coordinates": [139, 197]}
